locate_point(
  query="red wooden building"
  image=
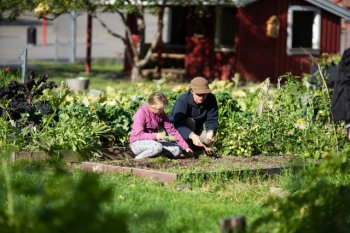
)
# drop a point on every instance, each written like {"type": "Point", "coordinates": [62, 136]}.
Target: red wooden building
{"type": "Point", "coordinates": [265, 38]}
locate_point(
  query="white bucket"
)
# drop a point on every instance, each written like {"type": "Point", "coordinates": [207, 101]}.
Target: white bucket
{"type": "Point", "coordinates": [78, 84]}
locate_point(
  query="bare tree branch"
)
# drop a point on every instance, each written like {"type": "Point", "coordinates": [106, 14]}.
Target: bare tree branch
{"type": "Point", "coordinates": [121, 14]}
{"type": "Point", "coordinates": [128, 38]}
{"type": "Point", "coordinates": [109, 30]}
{"type": "Point", "coordinates": [132, 44]}
{"type": "Point", "coordinates": [141, 29]}
{"type": "Point", "coordinates": [156, 38]}
{"type": "Point", "coordinates": [150, 50]}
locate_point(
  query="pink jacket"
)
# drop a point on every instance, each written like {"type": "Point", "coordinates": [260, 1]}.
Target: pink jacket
{"type": "Point", "coordinates": [145, 127]}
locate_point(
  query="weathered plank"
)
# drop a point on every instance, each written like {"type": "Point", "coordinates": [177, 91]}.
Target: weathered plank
{"type": "Point", "coordinates": [163, 177]}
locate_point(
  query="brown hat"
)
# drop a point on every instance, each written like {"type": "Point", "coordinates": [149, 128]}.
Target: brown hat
{"type": "Point", "coordinates": [199, 85]}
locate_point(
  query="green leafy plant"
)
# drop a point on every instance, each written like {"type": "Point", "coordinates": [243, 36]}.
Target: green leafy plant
{"type": "Point", "coordinates": [22, 103]}
{"type": "Point", "coordinates": [41, 206]}
{"type": "Point", "coordinates": [272, 121]}
{"type": "Point", "coordinates": [318, 200]}
{"type": "Point", "coordinates": [7, 76]}
{"type": "Point", "coordinates": [118, 119]}
{"type": "Point", "coordinates": [76, 129]}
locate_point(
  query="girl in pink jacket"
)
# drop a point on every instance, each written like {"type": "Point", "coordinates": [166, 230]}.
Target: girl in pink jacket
{"type": "Point", "coordinates": [145, 140]}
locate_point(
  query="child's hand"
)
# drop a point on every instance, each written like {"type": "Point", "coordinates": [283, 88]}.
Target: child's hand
{"type": "Point", "coordinates": [189, 151]}
{"type": "Point", "coordinates": [171, 138]}
{"type": "Point", "coordinates": [196, 140]}
{"type": "Point", "coordinates": [210, 136]}
{"type": "Point", "coordinates": [160, 136]}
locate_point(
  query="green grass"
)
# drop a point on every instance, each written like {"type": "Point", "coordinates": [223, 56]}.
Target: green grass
{"type": "Point", "coordinates": [104, 72]}
{"type": "Point", "coordinates": [153, 207]}
{"type": "Point", "coordinates": [101, 75]}
{"type": "Point", "coordinates": [147, 206]}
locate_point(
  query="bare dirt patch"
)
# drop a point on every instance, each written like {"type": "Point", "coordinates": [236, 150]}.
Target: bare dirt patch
{"type": "Point", "coordinates": [207, 164]}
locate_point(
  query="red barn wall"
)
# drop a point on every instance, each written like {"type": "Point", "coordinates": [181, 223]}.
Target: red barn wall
{"type": "Point", "coordinates": [200, 45]}
{"type": "Point", "coordinates": [201, 58]}
{"type": "Point", "coordinates": [260, 57]}
{"type": "Point", "coordinates": [256, 56]}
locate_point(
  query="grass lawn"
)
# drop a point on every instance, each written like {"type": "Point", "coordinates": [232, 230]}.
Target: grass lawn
{"type": "Point", "coordinates": [153, 207]}
{"type": "Point", "coordinates": [104, 73]}
{"type": "Point", "coordinates": [54, 196]}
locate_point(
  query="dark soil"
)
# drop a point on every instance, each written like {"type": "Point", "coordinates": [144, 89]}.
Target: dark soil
{"type": "Point", "coordinates": [206, 164]}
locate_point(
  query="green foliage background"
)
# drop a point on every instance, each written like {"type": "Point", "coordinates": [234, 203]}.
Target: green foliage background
{"type": "Point", "coordinates": [291, 117]}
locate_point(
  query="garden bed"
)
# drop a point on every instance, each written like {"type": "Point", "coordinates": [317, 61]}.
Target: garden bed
{"type": "Point", "coordinates": [205, 163]}
{"type": "Point", "coordinates": [120, 160]}
{"type": "Point", "coordinates": [170, 170]}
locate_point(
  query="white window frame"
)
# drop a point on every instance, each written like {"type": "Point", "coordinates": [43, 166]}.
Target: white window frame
{"type": "Point", "coordinates": [316, 31]}
{"type": "Point", "coordinates": [218, 27]}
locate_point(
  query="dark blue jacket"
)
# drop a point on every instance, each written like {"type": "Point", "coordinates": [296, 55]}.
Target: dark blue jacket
{"type": "Point", "coordinates": [204, 114]}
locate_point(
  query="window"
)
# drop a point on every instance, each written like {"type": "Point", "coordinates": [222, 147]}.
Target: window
{"type": "Point", "coordinates": [304, 30]}
{"type": "Point", "coordinates": [177, 22]}
{"type": "Point", "coordinates": [225, 24]}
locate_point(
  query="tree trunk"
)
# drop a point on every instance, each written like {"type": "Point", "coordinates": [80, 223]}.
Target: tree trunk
{"type": "Point", "coordinates": [134, 42]}
{"type": "Point", "coordinates": [136, 75]}
{"type": "Point", "coordinates": [88, 44]}
{"type": "Point", "coordinates": [160, 26]}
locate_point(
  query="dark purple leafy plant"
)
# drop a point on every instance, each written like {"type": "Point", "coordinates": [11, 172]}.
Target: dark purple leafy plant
{"type": "Point", "coordinates": [23, 103]}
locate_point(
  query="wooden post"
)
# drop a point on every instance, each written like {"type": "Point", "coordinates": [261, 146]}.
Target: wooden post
{"type": "Point", "coordinates": [233, 225]}
{"type": "Point", "coordinates": [44, 31]}
{"type": "Point", "coordinates": [88, 44]}
{"type": "Point", "coordinates": [160, 41]}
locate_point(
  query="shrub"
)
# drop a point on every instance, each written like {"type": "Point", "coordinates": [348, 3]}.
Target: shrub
{"type": "Point", "coordinates": [318, 201]}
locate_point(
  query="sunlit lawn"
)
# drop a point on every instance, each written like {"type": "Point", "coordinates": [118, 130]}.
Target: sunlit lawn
{"type": "Point", "coordinates": [103, 73]}
{"type": "Point", "coordinates": [149, 206]}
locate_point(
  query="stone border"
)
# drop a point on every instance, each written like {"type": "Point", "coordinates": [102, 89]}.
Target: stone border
{"type": "Point", "coordinates": [164, 177]}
